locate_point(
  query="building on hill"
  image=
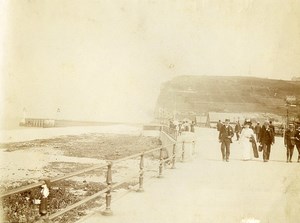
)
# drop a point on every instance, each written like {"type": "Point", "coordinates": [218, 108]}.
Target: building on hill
{"type": "Point", "coordinates": [214, 117]}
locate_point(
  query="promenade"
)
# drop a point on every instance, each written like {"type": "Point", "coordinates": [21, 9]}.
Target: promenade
{"type": "Point", "coordinates": [207, 190]}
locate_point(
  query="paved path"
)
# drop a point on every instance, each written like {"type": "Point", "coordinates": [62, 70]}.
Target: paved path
{"type": "Point", "coordinates": [208, 190]}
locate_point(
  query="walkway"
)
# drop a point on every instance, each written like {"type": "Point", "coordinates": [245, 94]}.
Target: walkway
{"type": "Point", "coordinates": [208, 190]}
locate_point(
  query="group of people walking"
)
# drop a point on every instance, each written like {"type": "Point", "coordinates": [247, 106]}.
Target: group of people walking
{"type": "Point", "coordinates": [258, 138]}
{"type": "Point", "coordinates": [182, 126]}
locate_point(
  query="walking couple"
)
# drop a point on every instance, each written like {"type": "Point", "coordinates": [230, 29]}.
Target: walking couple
{"type": "Point", "coordinates": [247, 139]}
{"type": "Point", "coordinates": [266, 139]}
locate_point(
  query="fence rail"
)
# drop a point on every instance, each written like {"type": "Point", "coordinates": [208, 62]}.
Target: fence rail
{"type": "Point", "coordinates": [55, 179]}
{"type": "Point", "coordinates": [170, 131]}
{"type": "Point", "coordinates": [46, 183]}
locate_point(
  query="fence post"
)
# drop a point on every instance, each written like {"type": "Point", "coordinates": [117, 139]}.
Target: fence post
{"type": "Point", "coordinates": [141, 178]}
{"type": "Point", "coordinates": [174, 156]}
{"type": "Point", "coordinates": [182, 155]}
{"type": "Point", "coordinates": [160, 162]}
{"type": "Point", "coordinates": [44, 198]}
{"type": "Point", "coordinates": [108, 211]}
{"type": "Point", "coordinates": [194, 151]}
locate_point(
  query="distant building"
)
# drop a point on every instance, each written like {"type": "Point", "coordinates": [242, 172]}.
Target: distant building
{"type": "Point", "coordinates": [214, 117]}
{"type": "Point", "coordinates": [201, 120]}
{"type": "Point", "coordinates": [295, 78]}
{"type": "Point", "coordinates": [38, 122]}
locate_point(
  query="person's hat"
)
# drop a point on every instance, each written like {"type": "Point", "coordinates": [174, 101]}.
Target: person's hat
{"type": "Point", "coordinates": [291, 125]}
{"type": "Point", "coordinates": [248, 122]}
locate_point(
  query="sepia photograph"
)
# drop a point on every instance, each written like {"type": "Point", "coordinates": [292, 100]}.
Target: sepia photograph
{"type": "Point", "coordinates": [150, 111]}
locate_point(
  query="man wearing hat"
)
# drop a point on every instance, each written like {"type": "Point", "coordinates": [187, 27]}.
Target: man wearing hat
{"type": "Point", "coordinates": [297, 141]}
{"type": "Point", "coordinates": [225, 138]}
{"type": "Point", "coordinates": [238, 129]}
{"type": "Point", "coordinates": [289, 142]}
{"type": "Point", "coordinates": [266, 139]}
{"type": "Point", "coordinates": [257, 131]}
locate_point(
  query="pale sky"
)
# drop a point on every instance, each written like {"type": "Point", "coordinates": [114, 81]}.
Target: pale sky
{"type": "Point", "coordinates": [105, 60]}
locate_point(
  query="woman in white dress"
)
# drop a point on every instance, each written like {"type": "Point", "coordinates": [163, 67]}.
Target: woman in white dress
{"type": "Point", "coordinates": [245, 137]}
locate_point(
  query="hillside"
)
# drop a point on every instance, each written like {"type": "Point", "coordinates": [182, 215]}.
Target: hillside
{"type": "Point", "coordinates": [200, 94]}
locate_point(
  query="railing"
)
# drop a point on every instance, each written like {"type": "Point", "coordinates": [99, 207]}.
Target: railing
{"type": "Point", "coordinates": [170, 131]}
{"type": "Point", "coordinates": [46, 184]}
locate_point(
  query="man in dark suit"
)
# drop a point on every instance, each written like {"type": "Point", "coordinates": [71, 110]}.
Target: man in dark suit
{"type": "Point", "coordinates": [257, 131]}
{"type": "Point", "coordinates": [289, 142]}
{"type": "Point", "coordinates": [272, 127]}
{"type": "Point", "coordinates": [297, 142]}
{"type": "Point", "coordinates": [225, 138]}
{"type": "Point", "coordinates": [266, 139]}
{"type": "Point", "coordinates": [238, 129]}
{"type": "Point", "coordinates": [219, 125]}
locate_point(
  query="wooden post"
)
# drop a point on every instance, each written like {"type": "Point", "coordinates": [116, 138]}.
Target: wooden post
{"type": "Point", "coordinates": [141, 178]}
{"type": "Point", "coordinates": [194, 151]}
{"type": "Point", "coordinates": [182, 155]}
{"type": "Point", "coordinates": [108, 211]}
{"type": "Point", "coordinates": [160, 162]}
{"type": "Point", "coordinates": [174, 156]}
